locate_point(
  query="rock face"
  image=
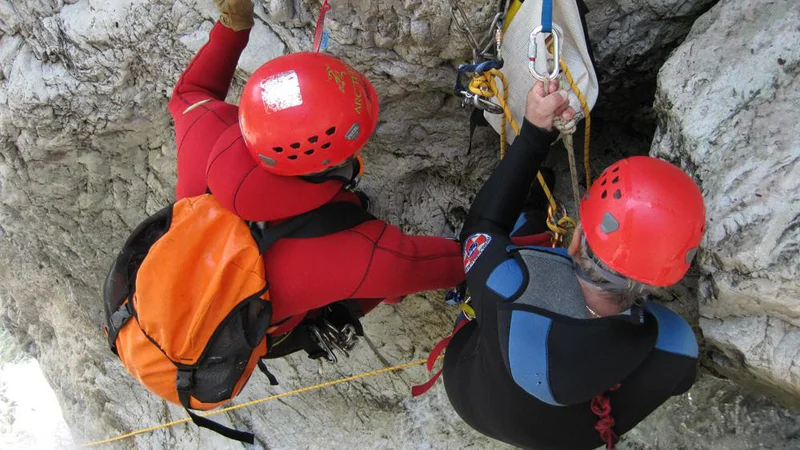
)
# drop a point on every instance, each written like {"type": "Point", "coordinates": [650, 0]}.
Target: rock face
{"type": "Point", "coordinates": [732, 127]}
{"type": "Point", "coordinates": [631, 41]}
{"type": "Point", "coordinates": [87, 151]}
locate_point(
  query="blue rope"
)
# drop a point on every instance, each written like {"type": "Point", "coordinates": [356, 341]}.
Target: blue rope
{"type": "Point", "coordinates": [547, 16]}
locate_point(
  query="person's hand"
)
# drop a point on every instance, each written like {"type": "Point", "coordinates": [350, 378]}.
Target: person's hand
{"type": "Point", "coordinates": [542, 109]}
{"type": "Point", "coordinates": [236, 14]}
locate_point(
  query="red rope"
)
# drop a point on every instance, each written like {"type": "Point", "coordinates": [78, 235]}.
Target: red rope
{"type": "Point", "coordinates": [320, 25]}
{"type": "Point", "coordinates": [601, 407]}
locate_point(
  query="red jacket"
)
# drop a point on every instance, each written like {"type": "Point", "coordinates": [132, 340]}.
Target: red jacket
{"type": "Point", "coordinates": [371, 261]}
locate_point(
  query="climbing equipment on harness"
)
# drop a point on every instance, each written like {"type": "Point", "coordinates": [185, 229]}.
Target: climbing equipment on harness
{"type": "Point", "coordinates": [644, 218]}
{"type": "Point", "coordinates": [330, 338]}
{"type": "Point", "coordinates": [304, 113]}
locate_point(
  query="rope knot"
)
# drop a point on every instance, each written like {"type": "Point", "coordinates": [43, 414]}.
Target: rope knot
{"type": "Point", "coordinates": [601, 407]}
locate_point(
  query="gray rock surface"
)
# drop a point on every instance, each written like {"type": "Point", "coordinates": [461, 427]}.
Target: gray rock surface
{"type": "Point", "coordinates": [87, 151]}
{"type": "Point", "coordinates": [728, 107]}
{"type": "Point", "coordinates": [631, 40]}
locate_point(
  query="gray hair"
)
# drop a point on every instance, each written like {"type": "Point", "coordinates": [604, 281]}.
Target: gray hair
{"type": "Point", "coordinates": [608, 283]}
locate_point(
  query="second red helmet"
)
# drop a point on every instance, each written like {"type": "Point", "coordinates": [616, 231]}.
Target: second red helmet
{"type": "Point", "coordinates": [304, 113]}
{"type": "Point", "coordinates": [644, 218]}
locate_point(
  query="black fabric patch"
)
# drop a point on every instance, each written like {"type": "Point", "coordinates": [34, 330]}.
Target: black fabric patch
{"type": "Point", "coordinates": [615, 349]}
{"type": "Point", "coordinates": [225, 358]}
{"type": "Point", "coordinates": [120, 282]}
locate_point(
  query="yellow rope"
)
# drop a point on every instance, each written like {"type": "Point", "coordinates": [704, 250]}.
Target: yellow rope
{"type": "Point", "coordinates": [485, 86]}
{"type": "Point", "coordinates": [266, 399]}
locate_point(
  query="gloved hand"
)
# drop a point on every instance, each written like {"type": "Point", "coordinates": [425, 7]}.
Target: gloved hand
{"type": "Point", "coordinates": [236, 14]}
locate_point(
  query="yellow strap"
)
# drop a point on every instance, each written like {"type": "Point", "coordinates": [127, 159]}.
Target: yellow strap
{"type": "Point", "coordinates": [512, 11]}
{"type": "Point", "coordinates": [266, 399]}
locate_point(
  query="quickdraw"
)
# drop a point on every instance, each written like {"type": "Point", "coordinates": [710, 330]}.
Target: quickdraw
{"type": "Point", "coordinates": [484, 58]}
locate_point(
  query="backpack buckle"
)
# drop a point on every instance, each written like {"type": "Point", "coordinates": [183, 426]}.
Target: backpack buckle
{"type": "Point", "coordinates": [121, 316]}
{"type": "Point", "coordinates": [183, 380]}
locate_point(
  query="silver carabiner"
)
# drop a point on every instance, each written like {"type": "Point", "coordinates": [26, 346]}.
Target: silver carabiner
{"type": "Point", "coordinates": [537, 48]}
{"type": "Point", "coordinates": [486, 105]}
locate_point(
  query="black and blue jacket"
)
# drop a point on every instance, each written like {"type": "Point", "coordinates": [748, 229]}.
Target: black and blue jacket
{"type": "Point", "coordinates": [526, 369]}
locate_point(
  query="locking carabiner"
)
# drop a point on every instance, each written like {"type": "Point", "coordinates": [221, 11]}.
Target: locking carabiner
{"type": "Point", "coordinates": [539, 54]}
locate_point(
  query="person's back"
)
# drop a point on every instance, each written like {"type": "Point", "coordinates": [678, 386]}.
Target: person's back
{"type": "Point", "coordinates": [564, 352]}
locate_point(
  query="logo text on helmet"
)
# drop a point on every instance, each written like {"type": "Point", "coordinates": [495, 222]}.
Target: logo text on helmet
{"type": "Point", "coordinates": [336, 76]}
{"type": "Point", "coordinates": [281, 91]}
{"type": "Point", "coordinates": [339, 77]}
{"type": "Point", "coordinates": [359, 98]}
{"type": "Point", "coordinates": [353, 132]}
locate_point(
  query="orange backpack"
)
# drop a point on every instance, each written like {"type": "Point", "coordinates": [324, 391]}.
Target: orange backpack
{"type": "Point", "coordinates": [187, 304]}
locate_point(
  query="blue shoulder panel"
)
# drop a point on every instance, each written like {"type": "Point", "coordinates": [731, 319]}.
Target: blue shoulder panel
{"type": "Point", "coordinates": [674, 333]}
{"type": "Point", "coordinates": [521, 221]}
{"type": "Point", "coordinates": [527, 354]}
{"type": "Point", "coordinates": [506, 279]}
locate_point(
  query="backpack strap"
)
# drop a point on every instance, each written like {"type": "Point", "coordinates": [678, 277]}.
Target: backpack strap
{"type": "Point", "coordinates": [328, 219]}
{"type": "Point", "coordinates": [183, 385]}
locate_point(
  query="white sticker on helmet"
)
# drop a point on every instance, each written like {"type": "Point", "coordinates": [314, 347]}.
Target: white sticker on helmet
{"type": "Point", "coordinates": [281, 91]}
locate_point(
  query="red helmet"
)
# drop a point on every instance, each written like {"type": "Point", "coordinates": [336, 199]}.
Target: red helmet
{"type": "Point", "coordinates": [306, 112]}
{"type": "Point", "coordinates": [644, 218]}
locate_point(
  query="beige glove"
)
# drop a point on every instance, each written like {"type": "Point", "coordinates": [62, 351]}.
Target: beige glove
{"type": "Point", "coordinates": [236, 14]}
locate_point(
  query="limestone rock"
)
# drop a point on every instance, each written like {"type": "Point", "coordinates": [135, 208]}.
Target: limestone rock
{"type": "Point", "coordinates": [87, 151]}
{"type": "Point", "coordinates": [728, 107]}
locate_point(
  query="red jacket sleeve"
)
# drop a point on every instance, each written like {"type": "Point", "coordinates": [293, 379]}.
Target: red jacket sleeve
{"type": "Point", "coordinates": [198, 108]}
{"type": "Point", "coordinates": [209, 75]}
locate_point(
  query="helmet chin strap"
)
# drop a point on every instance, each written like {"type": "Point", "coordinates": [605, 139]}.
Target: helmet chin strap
{"type": "Point", "coordinates": [610, 281]}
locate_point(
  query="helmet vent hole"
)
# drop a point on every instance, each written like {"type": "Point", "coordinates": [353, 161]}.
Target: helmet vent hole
{"type": "Point", "coordinates": [604, 194]}
{"type": "Point", "coordinates": [616, 169]}
{"type": "Point", "coordinates": [617, 194]}
{"type": "Point", "coordinates": [330, 131]}
{"type": "Point", "coordinates": [309, 152]}
{"type": "Point", "coordinates": [326, 145]}
{"type": "Point", "coordinates": [313, 139]}
{"type": "Point", "coordinates": [295, 146]}
{"type": "Point", "coordinates": [603, 183]}
{"type": "Point", "coordinates": [615, 180]}
{"type": "Point", "coordinates": [277, 149]}
{"type": "Point", "coordinates": [292, 157]}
